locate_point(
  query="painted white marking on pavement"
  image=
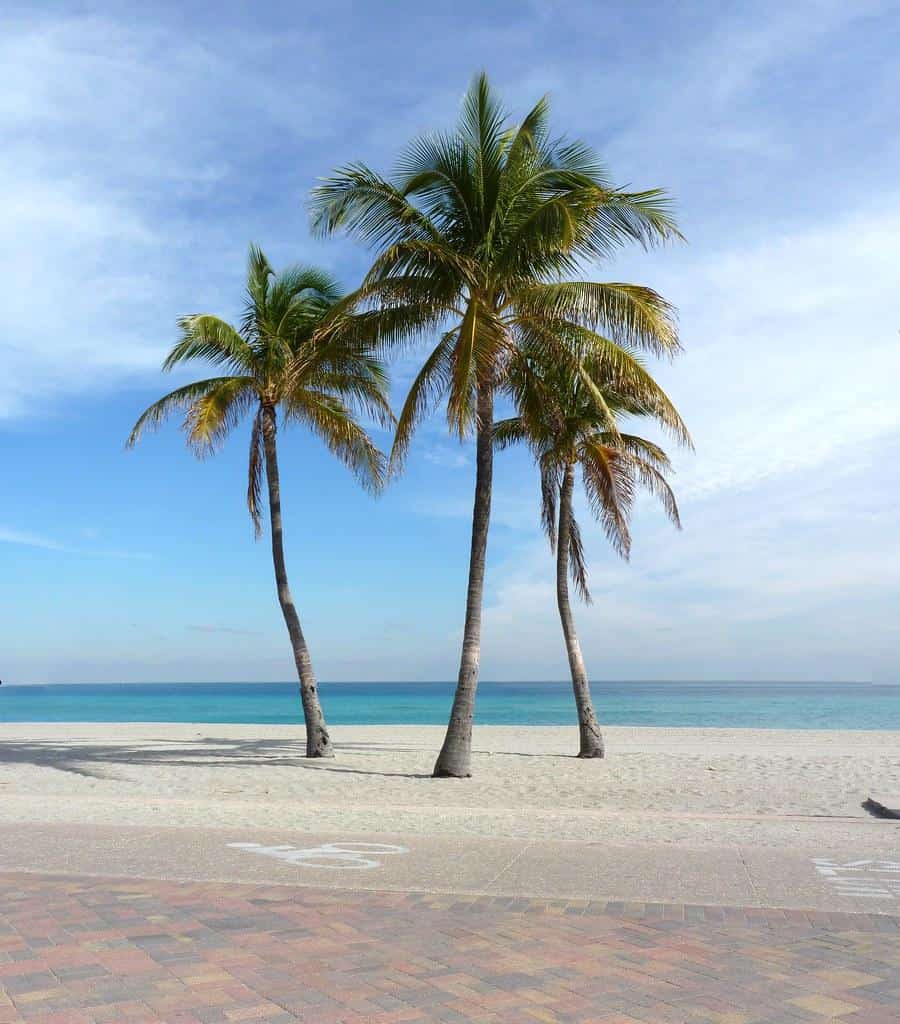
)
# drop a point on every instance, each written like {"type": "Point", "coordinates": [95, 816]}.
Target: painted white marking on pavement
{"type": "Point", "coordinates": [332, 856]}
{"type": "Point", "coordinates": [878, 879]}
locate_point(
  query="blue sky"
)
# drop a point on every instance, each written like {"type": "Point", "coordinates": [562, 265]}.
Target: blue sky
{"type": "Point", "coordinates": [146, 145]}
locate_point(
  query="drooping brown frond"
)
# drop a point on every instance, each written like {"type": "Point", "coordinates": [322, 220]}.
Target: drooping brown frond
{"type": "Point", "coordinates": [549, 471]}
{"type": "Point", "coordinates": [609, 487]}
{"type": "Point", "coordinates": [577, 566]}
{"type": "Point", "coordinates": [178, 400]}
{"type": "Point", "coordinates": [256, 466]}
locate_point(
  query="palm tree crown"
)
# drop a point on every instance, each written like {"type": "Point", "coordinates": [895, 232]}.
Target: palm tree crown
{"type": "Point", "coordinates": [563, 417]}
{"type": "Point", "coordinates": [473, 235]}
{"type": "Point", "coordinates": [273, 360]}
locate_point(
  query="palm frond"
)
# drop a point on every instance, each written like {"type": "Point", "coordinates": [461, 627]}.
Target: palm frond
{"type": "Point", "coordinates": [550, 483]}
{"type": "Point", "coordinates": [431, 382]}
{"type": "Point", "coordinates": [464, 375]}
{"type": "Point", "coordinates": [212, 416]}
{"type": "Point", "coordinates": [368, 206]}
{"type": "Point", "coordinates": [656, 484]}
{"type": "Point", "coordinates": [255, 465]}
{"type": "Point", "coordinates": [631, 315]}
{"type": "Point", "coordinates": [330, 419]}
{"type": "Point", "coordinates": [610, 491]}
{"type": "Point", "coordinates": [481, 127]}
{"type": "Point", "coordinates": [577, 564]}
{"type": "Point", "coordinates": [509, 432]}
{"type": "Point", "coordinates": [175, 401]}
{"type": "Point", "coordinates": [211, 339]}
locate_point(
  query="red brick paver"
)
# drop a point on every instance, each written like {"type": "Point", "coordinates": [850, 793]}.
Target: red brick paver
{"type": "Point", "coordinates": [85, 951]}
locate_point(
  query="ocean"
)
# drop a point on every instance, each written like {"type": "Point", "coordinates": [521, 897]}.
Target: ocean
{"type": "Point", "coordinates": [726, 705]}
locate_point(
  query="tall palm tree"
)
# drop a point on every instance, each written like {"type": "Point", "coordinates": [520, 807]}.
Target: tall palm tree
{"type": "Point", "coordinates": [275, 365]}
{"type": "Point", "coordinates": [474, 236]}
{"type": "Point", "coordinates": [563, 416]}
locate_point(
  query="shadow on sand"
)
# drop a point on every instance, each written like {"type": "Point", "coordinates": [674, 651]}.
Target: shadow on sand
{"type": "Point", "coordinates": [97, 761]}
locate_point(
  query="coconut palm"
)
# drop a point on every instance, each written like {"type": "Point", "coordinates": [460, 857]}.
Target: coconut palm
{"type": "Point", "coordinates": [563, 416]}
{"type": "Point", "coordinates": [474, 236]}
{"type": "Point", "coordinates": [274, 366]}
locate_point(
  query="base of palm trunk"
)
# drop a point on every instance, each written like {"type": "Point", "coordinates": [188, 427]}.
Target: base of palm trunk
{"type": "Point", "coordinates": [440, 772]}
{"type": "Point", "coordinates": [319, 745]}
{"type": "Point", "coordinates": [592, 746]}
{"type": "Point", "coordinates": [585, 754]}
{"type": "Point", "coordinates": [453, 764]}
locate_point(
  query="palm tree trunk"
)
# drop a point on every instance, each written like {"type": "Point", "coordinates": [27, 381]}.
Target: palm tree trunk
{"type": "Point", "coordinates": [454, 760]}
{"type": "Point", "coordinates": [318, 742]}
{"type": "Point", "coordinates": [588, 727]}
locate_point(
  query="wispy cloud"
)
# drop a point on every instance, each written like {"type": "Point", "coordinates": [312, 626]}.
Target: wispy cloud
{"type": "Point", "coordinates": [446, 457]}
{"type": "Point", "coordinates": [117, 135]}
{"type": "Point", "coordinates": [26, 538]}
{"type": "Point", "coordinates": [29, 540]}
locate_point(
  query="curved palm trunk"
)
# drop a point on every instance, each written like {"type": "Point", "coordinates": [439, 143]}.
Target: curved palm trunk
{"type": "Point", "coordinates": [591, 744]}
{"type": "Point", "coordinates": [455, 756]}
{"type": "Point", "coordinates": [318, 742]}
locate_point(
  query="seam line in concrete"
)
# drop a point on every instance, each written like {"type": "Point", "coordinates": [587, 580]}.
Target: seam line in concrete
{"type": "Point", "coordinates": [750, 881]}
{"type": "Point", "coordinates": [528, 845]}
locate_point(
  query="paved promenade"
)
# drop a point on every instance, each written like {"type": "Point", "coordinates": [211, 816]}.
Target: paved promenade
{"type": "Point", "coordinates": [102, 925]}
{"type": "Point", "coordinates": [863, 876]}
{"type": "Point", "coordinates": [105, 951]}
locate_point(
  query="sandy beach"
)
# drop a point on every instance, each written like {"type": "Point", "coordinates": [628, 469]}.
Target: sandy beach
{"type": "Point", "coordinates": [701, 787]}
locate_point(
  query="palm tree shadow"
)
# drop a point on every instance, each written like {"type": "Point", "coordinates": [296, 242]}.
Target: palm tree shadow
{"type": "Point", "coordinates": [98, 761]}
{"type": "Point", "coordinates": [426, 748]}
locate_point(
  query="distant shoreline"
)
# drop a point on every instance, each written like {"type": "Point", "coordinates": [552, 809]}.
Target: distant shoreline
{"type": "Point", "coordinates": [673, 704]}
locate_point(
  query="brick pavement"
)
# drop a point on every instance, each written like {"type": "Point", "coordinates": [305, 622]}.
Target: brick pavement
{"type": "Point", "coordinates": [104, 951]}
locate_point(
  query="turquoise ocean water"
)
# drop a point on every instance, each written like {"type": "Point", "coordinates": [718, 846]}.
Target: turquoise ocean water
{"type": "Point", "coordinates": [728, 705]}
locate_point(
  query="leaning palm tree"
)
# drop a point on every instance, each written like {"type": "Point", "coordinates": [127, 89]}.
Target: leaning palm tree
{"type": "Point", "coordinates": [563, 416]}
{"type": "Point", "coordinates": [474, 237]}
{"type": "Point", "coordinates": [274, 364]}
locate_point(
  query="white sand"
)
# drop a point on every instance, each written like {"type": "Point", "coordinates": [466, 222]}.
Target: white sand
{"type": "Point", "coordinates": [696, 786]}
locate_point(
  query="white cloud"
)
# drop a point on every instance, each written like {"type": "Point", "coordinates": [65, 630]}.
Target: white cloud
{"type": "Point", "coordinates": [113, 132]}
{"type": "Point", "coordinates": [26, 538]}
{"type": "Point", "coordinates": [446, 457]}
{"type": "Point", "coordinates": [792, 351]}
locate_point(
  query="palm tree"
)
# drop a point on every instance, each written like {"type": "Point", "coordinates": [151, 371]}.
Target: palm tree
{"type": "Point", "coordinates": [275, 365]}
{"type": "Point", "coordinates": [474, 236]}
{"type": "Point", "coordinates": [564, 424]}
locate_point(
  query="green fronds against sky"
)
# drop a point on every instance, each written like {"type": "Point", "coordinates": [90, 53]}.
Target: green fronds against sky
{"type": "Point", "coordinates": [275, 358]}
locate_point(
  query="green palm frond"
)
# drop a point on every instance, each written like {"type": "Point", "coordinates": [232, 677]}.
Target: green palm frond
{"type": "Point", "coordinates": [610, 492]}
{"type": "Point", "coordinates": [330, 419]}
{"type": "Point", "coordinates": [567, 414]}
{"type": "Point", "coordinates": [629, 314]}
{"type": "Point", "coordinates": [429, 385]}
{"type": "Point", "coordinates": [211, 340]}
{"type": "Point", "coordinates": [435, 171]}
{"type": "Point", "coordinates": [509, 432]}
{"type": "Point", "coordinates": [211, 417]}
{"type": "Point", "coordinates": [178, 400]}
{"type": "Point", "coordinates": [359, 200]}
{"type": "Point", "coordinates": [286, 353]}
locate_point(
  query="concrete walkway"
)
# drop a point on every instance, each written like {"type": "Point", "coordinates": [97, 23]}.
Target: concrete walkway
{"type": "Point", "coordinates": [861, 879]}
